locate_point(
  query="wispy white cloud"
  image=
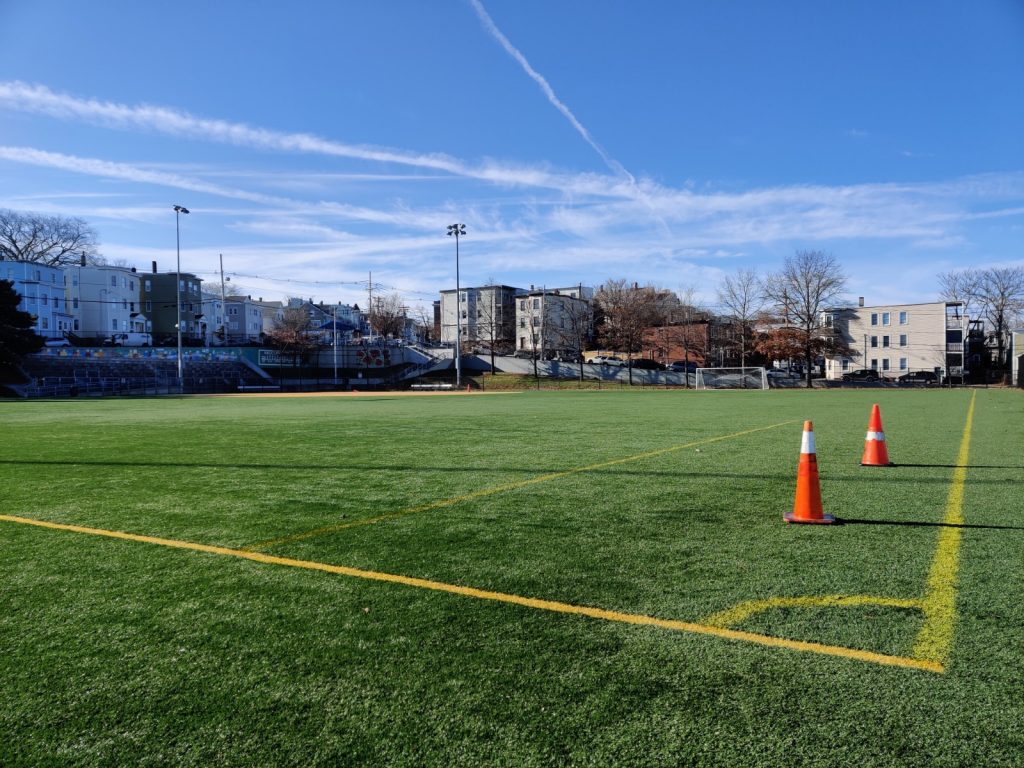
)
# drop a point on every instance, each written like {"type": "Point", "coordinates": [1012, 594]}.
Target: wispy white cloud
{"type": "Point", "coordinates": [549, 92]}
{"type": "Point", "coordinates": [38, 99]}
{"type": "Point", "coordinates": [132, 173]}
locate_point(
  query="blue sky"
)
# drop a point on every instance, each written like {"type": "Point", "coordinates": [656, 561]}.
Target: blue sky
{"type": "Point", "coordinates": [663, 142]}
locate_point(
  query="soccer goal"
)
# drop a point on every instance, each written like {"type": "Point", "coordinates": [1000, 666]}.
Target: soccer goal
{"type": "Point", "coordinates": [731, 378]}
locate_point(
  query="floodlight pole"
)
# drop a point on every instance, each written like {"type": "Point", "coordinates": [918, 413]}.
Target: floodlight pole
{"type": "Point", "coordinates": [178, 210]}
{"type": "Point", "coordinates": [457, 230]}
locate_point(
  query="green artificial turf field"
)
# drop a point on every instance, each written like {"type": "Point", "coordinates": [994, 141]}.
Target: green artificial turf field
{"type": "Point", "coordinates": [553, 578]}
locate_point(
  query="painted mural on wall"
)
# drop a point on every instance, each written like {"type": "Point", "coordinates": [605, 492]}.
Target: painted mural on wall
{"type": "Point", "coordinates": [374, 357]}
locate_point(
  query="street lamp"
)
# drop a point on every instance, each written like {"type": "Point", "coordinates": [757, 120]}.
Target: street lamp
{"type": "Point", "coordinates": [458, 230]}
{"type": "Point", "coordinates": [178, 210]}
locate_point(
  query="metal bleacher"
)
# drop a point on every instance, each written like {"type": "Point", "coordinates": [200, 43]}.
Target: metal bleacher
{"type": "Point", "coordinates": [73, 377]}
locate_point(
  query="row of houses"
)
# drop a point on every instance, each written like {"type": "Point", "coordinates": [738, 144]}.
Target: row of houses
{"type": "Point", "coordinates": [121, 306]}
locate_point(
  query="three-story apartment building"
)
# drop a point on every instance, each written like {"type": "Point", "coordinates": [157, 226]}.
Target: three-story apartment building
{"type": "Point", "coordinates": [896, 339]}
{"type": "Point", "coordinates": [106, 305]}
{"type": "Point", "coordinates": [553, 323]}
{"type": "Point", "coordinates": [486, 315]}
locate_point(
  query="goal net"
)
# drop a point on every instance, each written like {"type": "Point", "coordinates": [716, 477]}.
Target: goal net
{"type": "Point", "coordinates": [731, 378]}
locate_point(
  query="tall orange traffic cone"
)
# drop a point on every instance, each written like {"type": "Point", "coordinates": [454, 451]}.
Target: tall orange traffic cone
{"type": "Point", "coordinates": [807, 506]}
{"type": "Point", "coordinates": [875, 453]}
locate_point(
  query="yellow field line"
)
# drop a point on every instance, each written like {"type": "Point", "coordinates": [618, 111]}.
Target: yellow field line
{"type": "Point", "coordinates": [935, 638]}
{"type": "Point", "coordinates": [502, 597]}
{"type": "Point", "coordinates": [939, 603]}
{"type": "Point", "coordinates": [744, 611]}
{"type": "Point", "coordinates": [496, 489]}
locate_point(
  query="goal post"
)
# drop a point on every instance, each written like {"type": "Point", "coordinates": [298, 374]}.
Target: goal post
{"type": "Point", "coordinates": [732, 378]}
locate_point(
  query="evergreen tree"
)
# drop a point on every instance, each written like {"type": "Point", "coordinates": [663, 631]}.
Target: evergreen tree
{"type": "Point", "coordinates": [16, 335]}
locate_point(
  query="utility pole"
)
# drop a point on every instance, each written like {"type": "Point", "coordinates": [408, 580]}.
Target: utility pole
{"type": "Point", "coordinates": [369, 305]}
{"type": "Point", "coordinates": [223, 303]}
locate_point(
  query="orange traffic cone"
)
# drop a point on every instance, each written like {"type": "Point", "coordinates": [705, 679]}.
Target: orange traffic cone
{"type": "Point", "coordinates": [875, 453]}
{"type": "Point", "coordinates": [807, 506]}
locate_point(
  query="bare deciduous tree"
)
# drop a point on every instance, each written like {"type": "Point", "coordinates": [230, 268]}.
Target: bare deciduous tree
{"type": "Point", "coordinates": [291, 333]}
{"type": "Point", "coordinates": [997, 292]}
{"type": "Point", "coordinates": [387, 316]}
{"type": "Point", "coordinates": [51, 240]}
{"type": "Point", "coordinates": [808, 282]}
{"type": "Point", "coordinates": [742, 296]}
{"type": "Point", "coordinates": [627, 311]}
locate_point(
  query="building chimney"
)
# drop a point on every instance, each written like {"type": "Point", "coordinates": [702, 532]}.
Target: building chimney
{"type": "Point", "coordinates": [860, 301]}
{"type": "Point", "coordinates": [154, 267]}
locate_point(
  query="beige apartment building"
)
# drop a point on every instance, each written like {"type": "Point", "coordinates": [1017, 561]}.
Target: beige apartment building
{"type": "Point", "coordinates": [899, 338]}
{"type": "Point", "coordinates": [553, 323]}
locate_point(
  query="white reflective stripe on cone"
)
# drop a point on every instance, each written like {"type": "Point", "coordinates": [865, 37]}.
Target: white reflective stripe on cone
{"type": "Point", "coordinates": [807, 444]}
{"type": "Point", "coordinates": [879, 436]}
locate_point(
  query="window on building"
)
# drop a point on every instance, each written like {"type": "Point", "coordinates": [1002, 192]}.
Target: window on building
{"type": "Point", "coordinates": [885, 341]}
{"type": "Point", "coordinates": [846, 364]}
{"type": "Point", "coordinates": [113, 281]}
{"type": "Point", "coordinates": [826, 320]}
{"type": "Point", "coordinates": [76, 324]}
{"type": "Point", "coordinates": [535, 321]}
{"type": "Point", "coordinates": [45, 323]}
{"type": "Point", "coordinates": [874, 341]}
{"type": "Point", "coordinates": [149, 306]}
{"type": "Point", "coordinates": [885, 363]}
{"type": "Point", "coordinates": [463, 314]}
{"type": "Point", "coordinates": [903, 318]}
{"type": "Point", "coordinates": [74, 303]}
{"type": "Point", "coordinates": [903, 363]}
{"type": "Point", "coordinates": [536, 303]}
{"type": "Point", "coordinates": [113, 324]}
{"type": "Point", "coordinates": [462, 297]}
{"type": "Point", "coordinates": [903, 339]}
{"type": "Point", "coordinates": [874, 364]}
{"type": "Point", "coordinates": [522, 322]}
{"type": "Point", "coordinates": [874, 318]}
{"type": "Point", "coordinates": [522, 304]}
{"type": "Point", "coordinates": [124, 303]}
{"type": "Point", "coordinates": [885, 318]}
{"type": "Point", "coordinates": [46, 300]}
{"type": "Point", "coordinates": [149, 286]}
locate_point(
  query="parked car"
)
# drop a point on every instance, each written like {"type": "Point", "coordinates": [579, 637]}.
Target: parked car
{"type": "Point", "coordinates": [861, 374]}
{"type": "Point", "coordinates": [682, 366]}
{"type": "Point", "coordinates": [644, 364]}
{"type": "Point", "coordinates": [928, 378]}
{"type": "Point", "coordinates": [607, 360]}
{"type": "Point", "coordinates": [58, 343]}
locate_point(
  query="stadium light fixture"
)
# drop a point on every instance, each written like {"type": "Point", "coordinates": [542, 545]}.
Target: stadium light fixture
{"type": "Point", "coordinates": [458, 230]}
{"type": "Point", "coordinates": [178, 210]}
